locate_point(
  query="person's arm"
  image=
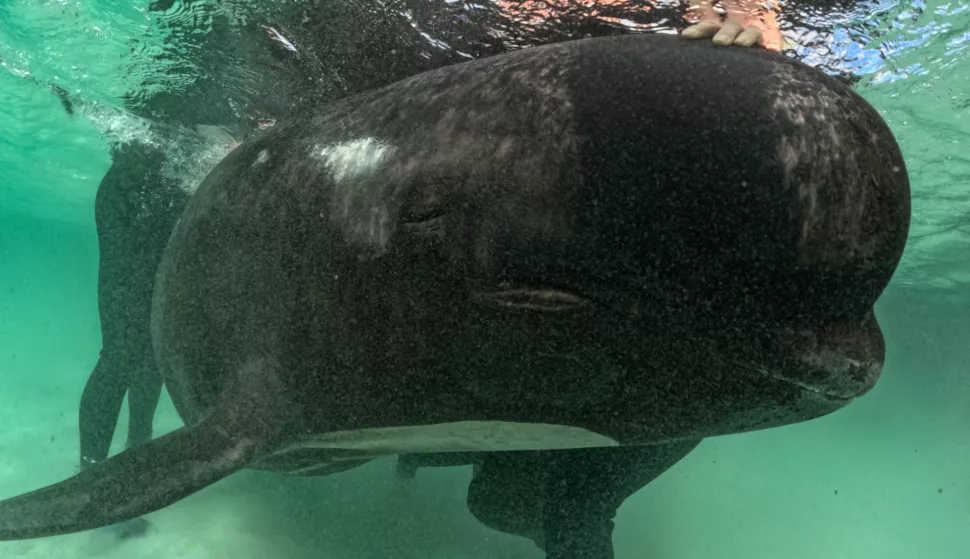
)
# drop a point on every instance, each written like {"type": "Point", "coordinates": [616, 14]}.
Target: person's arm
{"type": "Point", "coordinates": [748, 23]}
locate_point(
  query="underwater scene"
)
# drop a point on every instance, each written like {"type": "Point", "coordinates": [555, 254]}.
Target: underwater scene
{"type": "Point", "coordinates": [419, 279]}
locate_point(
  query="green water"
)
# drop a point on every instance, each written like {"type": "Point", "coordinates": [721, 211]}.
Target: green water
{"type": "Point", "coordinates": [886, 478]}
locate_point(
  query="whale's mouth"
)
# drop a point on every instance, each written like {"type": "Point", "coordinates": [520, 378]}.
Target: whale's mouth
{"type": "Point", "coordinates": [547, 300]}
{"type": "Point", "coordinates": [835, 378]}
{"type": "Point", "coordinates": [846, 378]}
{"type": "Point", "coordinates": [836, 363]}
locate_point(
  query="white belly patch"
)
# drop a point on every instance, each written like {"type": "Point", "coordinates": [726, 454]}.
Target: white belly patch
{"type": "Point", "coordinates": [462, 436]}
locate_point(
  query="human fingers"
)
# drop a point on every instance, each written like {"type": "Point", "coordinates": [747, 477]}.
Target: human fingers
{"type": "Point", "coordinates": [703, 30]}
{"type": "Point", "coordinates": [750, 37]}
{"type": "Point", "coordinates": [728, 33]}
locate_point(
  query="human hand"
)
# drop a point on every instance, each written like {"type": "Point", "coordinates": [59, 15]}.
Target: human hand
{"type": "Point", "coordinates": [748, 23]}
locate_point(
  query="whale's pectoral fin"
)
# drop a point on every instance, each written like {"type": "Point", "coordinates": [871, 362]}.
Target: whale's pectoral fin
{"type": "Point", "coordinates": [154, 475]}
{"type": "Point", "coordinates": [136, 482]}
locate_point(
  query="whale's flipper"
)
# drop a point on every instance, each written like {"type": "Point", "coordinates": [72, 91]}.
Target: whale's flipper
{"type": "Point", "coordinates": [250, 416]}
{"type": "Point", "coordinates": [136, 482]}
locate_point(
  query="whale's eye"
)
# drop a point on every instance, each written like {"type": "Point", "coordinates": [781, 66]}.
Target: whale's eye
{"type": "Point", "coordinates": [533, 299]}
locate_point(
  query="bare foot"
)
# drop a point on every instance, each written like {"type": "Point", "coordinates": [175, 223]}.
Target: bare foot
{"type": "Point", "coordinates": [406, 467]}
{"type": "Point", "coordinates": [748, 23]}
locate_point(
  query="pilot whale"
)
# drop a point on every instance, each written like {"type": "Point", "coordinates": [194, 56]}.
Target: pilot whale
{"type": "Point", "coordinates": [616, 241]}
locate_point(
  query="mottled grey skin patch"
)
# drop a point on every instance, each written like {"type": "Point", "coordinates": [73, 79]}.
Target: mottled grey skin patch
{"type": "Point", "coordinates": [829, 134]}
{"type": "Point", "coordinates": [261, 157]}
{"type": "Point", "coordinates": [418, 121]}
{"type": "Point", "coordinates": [360, 202]}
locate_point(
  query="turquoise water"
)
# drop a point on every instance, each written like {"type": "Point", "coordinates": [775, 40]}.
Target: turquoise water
{"type": "Point", "coordinates": [888, 477]}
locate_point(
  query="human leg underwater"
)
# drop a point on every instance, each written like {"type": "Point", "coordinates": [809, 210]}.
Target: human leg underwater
{"type": "Point", "coordinates": [563, 500]}
{"type": "Point", "coordinates": [135, 211]}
